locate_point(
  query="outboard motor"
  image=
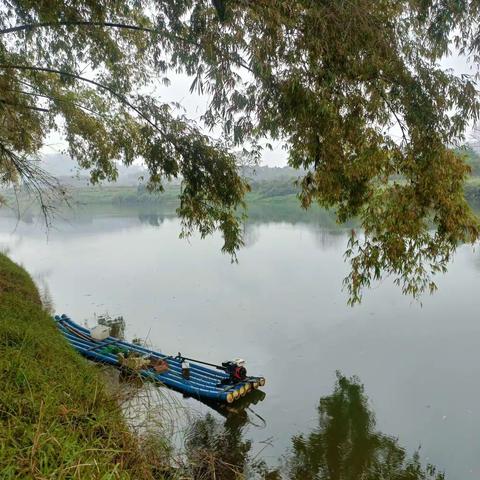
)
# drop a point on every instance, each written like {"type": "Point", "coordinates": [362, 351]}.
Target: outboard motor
{"type": "Point", "coordinates": [236, 370]}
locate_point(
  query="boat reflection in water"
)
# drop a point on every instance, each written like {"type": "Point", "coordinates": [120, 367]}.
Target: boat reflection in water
{"type": "Point", "coordinates": [239, 414]}
{"type": "Point", "coordinates": [344, 445]}
{"type": "Point", "coordinates": [217, 449]}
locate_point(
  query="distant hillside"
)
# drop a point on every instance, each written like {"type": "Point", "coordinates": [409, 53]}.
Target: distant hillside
{"type": "Point", "coordinates": [472, 157]}
{"type": "Point", "coordinates": [266, 182]}
{"type": "Point", "coordinates": [59, 165]}
{"type": "Point", "coordinates": [265, 173]}
{"type": "Point", "coordinates": [273, 195]}
{"type": "Point", "coordinates": [68, 172]}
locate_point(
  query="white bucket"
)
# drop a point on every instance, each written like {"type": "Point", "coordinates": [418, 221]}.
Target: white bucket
{"type": "Point", "coordinates": [100, 332]}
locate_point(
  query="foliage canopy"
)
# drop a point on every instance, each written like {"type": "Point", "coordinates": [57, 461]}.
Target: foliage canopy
{"type": "Point", "coordinates": [353, 90]}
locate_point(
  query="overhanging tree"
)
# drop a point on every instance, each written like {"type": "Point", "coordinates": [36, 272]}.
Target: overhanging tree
{"type": "Point", "coordinates": [338, 82]}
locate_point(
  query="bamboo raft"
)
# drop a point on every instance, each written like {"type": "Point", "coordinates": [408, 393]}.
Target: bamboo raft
{"type": "Point", "coordinates": [204, 383]}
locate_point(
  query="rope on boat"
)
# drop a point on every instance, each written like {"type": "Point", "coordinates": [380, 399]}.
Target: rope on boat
{"type": "Point", "coordinates": [77, 332]}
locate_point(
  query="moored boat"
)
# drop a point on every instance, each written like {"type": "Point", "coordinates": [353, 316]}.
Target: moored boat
{"type": "Point", "coordinates": [223, 383]}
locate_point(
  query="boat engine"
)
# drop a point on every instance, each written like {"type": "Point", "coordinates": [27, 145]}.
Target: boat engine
{"type": "Point", "coordinates": [236, 370]}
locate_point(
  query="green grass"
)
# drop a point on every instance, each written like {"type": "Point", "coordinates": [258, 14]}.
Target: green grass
{"type": "Point", "coordinates": [124, 195]}
{"type": "Point", "coordinates": [57, 420]}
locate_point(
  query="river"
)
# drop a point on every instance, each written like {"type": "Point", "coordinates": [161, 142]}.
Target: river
{"type": "Point", "coordinates": [281, 308]}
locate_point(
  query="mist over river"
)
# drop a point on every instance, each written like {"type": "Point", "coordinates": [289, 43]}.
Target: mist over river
{"type": "Point", "coordinates": [281, 308]}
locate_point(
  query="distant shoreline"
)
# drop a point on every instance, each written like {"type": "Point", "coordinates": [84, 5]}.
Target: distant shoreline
{"type": "Point", "coordinates": [269, 200]}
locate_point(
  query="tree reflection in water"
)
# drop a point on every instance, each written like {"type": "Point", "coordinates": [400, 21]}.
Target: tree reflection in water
{"type": "Point", "coordinates": [344, 446]}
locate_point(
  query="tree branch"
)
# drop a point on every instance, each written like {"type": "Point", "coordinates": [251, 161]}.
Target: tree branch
{"type": "Point", "coordinates": [51, 97]}
{"type": "Point", "coordinates": [29, 107]}
{"type": "Point", "coordinates": [85, 23]}
{"type": "Point", "coordinates": [124, 26]}
{"type": "Point", "coordinates": [394, 113]}
{"type": "Point", "coordinates": [110, 90]}
{"type": "Point", "coordinates": [44, 186]}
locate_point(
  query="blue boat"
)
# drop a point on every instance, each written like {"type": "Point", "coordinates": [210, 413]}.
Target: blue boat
{"type": "Point", "coordinates": [203, 382]}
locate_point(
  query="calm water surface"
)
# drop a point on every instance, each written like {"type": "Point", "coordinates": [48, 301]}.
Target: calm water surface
{"type": "Point", "coordinates": [282, 309]}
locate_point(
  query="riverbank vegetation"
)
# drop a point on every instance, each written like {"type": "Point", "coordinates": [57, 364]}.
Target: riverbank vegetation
{"type": "Point", "coordinates": [57, 419]}
{"type": "Point", "coordinates": [273, 196]}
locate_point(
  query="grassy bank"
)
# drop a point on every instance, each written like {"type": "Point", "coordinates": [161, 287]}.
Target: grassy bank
{"type": "Point", "coordinates": [56, 418]}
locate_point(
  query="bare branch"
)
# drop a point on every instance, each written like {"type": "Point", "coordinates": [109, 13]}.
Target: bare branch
{"type": "Point", "coordinates": [45, 187]}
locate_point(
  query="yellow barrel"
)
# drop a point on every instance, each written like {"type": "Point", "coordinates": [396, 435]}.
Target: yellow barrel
{"type": "Point", "coordinates": [248, 387]}
{"type": "Point", "coordinates": [242, 391]}
{"type": "Point", "coordinates": [255, 385]}
{"type": "Point", "coordinates": [262, 381]}
{"type": "Point", "coordinates": [230, 398]}
{"type": "Point", "coordinates": [236, 394]}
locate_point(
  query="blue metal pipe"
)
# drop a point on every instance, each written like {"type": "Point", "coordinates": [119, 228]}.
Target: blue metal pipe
{"type": "Point", "coordinates": [174, 375]}
{"type": "Point", "coordinates": [168, 380]}
{"type": "Point", "coordinates": [211, 372]}
{"type": "Point", "coordinates": [192, 388]}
